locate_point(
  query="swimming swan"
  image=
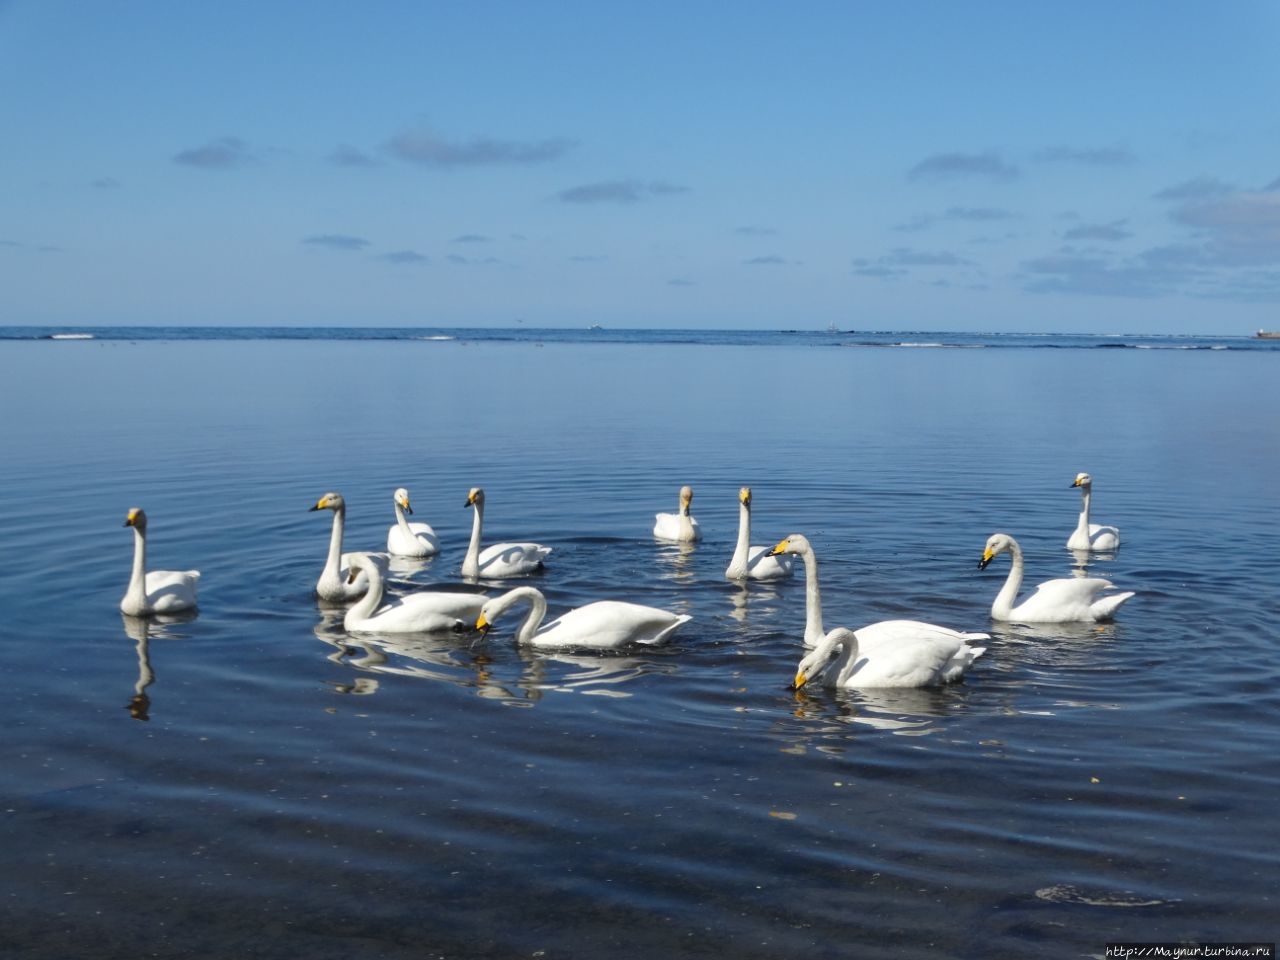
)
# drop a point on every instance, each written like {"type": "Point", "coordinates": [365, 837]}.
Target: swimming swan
{"type": "Point", "coordinates": [870, 637]}
{"type": "Point", "coordinates": [160, 591]}
{"type": "Point", "coordinates": [424, 612]}
{"type": "Point", "coordinates": [333, 583]}
{"type": "Point", "coordinates": [1090, 536]}
{"type": "Point", "coordinates": [500, 560]}
{"type": "Point", "coordinates": [602, 625]}
{"type": "Point", "coordinates": [1065, 600]}
{"type": "Point", "coordinates": [750, 562]}
{"type": "Point", "coordinates": [405, 539]}
{"type": "Point", "coordinates": [678, 527]}
{"type": "Point", "coordinates": [920, 660]}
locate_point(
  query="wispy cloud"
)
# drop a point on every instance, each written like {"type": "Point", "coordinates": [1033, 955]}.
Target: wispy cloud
{"type": "Point", "coordinates": [336, 241]}
{"type": "Point", "coordinates": [941, 166]}
{"type": "Point", "coordinates": [901, 260]}
{"type": "Point", "coordinates": [1240, 229]}
{"type": "Point", "coordinates": [772, 260]}
{"type": "Point", "coordinates": [345, 155]}
{"type": "Point", "coordinates": [681, 282]}
{"type": "Point", "coordinates": [619, 191]}
{"type": "Point", "coordinates": [404, 258]}
{"type": "Point", "coordinates": [1097, 157]}
{"type": "Point", "coordinates": [105, 183]}
{"type": "Point", "coordinates": [957, 215]}
{"type": "Point", "coordinates": [472, 238]}
{"type": "Point", "coordinates": [1197, 188]}
{"type": "Point", "coordinates": [223, 154]}
{"type": "Point", "coordinates": [427, 148]}
{"type": "Point", "coordinates": [1113, 231]}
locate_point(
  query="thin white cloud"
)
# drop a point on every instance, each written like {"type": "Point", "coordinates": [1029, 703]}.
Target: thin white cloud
{"type": "Point", "coordinates": [336, 241]}
{"type": "Point", "coordinates": [619, 191]}
{"type": "Point", "coordinates": [222, 154]}
{"type": "Point", "coordinates": [945, 166]}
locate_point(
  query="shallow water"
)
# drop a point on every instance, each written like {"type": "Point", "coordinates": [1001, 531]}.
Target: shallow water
{"type": "Point", "coordinates": [253, 782]}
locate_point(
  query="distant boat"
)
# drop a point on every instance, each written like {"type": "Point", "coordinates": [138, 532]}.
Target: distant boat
{"type": "Point", "coordinates": [1268, 335]}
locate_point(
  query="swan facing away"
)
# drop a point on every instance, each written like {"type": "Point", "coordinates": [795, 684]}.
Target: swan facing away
{"type": "Point", "coordinates": [1090, 536]}
{"type": "Point", "coordinates": [679, 527]}
{"type": "Point", "coordinates": [500, 560]}
{"type": "Point", "coordinates": [906, 634]}
{"type": "Point", "coordinates": [921, 659]}
{"type": "Point", "coordinates": [405, 539]}
{"type": "Point", "coordinates": [751, 562]}
{"type": "Point", "coordinates": [334, 583]}
{"type": "Point", "coordinates": [425, 612]}
{"type": "Point", "coordinates": [157, 591]}
{"type": "Point", "coordinates": [1065, 600]}
{"type": "Point", "coordinates": [602, 625]}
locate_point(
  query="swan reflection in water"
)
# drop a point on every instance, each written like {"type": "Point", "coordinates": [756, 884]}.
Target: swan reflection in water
{"type": "Point", "coordinates": [905, 711]}
{"type": "Point", "coordinates": [762, 595]}
{"type": "Point", "coordinates": [142, 630]}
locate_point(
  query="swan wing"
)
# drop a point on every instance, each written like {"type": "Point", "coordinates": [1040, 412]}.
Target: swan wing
{"type": "Point", "coordinates": [1064, 600]}
{"type": "Point", "coordinates": [427, 612]}
{"type": "Point", "coordinates": [422, 542]}
{"type": "Point", "coordinates": [512, 559]}
{"type": "Point", "coordinates": [919, 662]}
{"type": "Point", "coordinates": [763, 565]}
{"type": "Point", "coordinates": [171, 591]}
{"type": "Point", "coordinates": [676, 527]}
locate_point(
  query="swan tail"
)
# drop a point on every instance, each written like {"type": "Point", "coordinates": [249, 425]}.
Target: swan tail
{"type": "Point", "coordinates": [1104, 608]}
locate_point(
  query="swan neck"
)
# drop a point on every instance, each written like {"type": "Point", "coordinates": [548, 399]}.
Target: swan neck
{"type": "Point", "coordinates": [813, 632]}
{"type": "Point", "coordinates": [744, 534]}
{"type": "Point", "coordinates": [471, 563]}
{"type": "Point", "coordinates": [138, 576]}
{"type": "Point", "coordinates": [1003, 605]}
{"type": "Point", "coordinates": [1083, 524]}
{"type": "Point", "coordinates": [401, 522]}
{"type": "Point", "coordinates": [364, 608]}
{"type": "Point", "coordinates": [533, 620]}
{"type": "Point", "coordinates": [847, 660]}
{"type": "Point", "coordinates": [335, 542]}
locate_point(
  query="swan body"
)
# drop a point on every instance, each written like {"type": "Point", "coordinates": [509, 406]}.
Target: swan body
{"type": "Point", "coordinates": [918, 659]}
{"type": "Point", "coordinates": [405, 539]}
{"type": "Point", "coordinates": [679, 527]}
{"type": "Point", "coordinates": [1065, 600]}
{"type": "Point", "coordinates": [157, 591]}
{"type": "Point", "coordinates": [751, 562]}
{"type": "Point", "coordinates": [603, 625]}
{"type": "Point", "coordinates": [334, 582]}
{"type": "Point", "coordinates": [1090, 536]}
{"type": "Point", "coordinates": [888, 633]}
{"type": "Point", "coordinates": [424, 612]}
{"type": "Point", "coordinates": [500, 560]}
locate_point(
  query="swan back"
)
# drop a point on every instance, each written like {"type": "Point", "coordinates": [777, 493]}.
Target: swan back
{"type": "Point", "coordinates": [919, 655]}
{"type": "Point", "coordinates": [422, 612]}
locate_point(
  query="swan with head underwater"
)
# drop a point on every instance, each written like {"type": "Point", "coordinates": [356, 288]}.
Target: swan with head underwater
{"type": "Point", "coordinates": [405, 539]}
{"type": "Point", "coordinates": [1064, 600]}
{"type": "Point", "coordinates": [679, 527]}
{"type": "Point", "coordinates": [1090, 536]}
{"type": "Point", "coordinates": [601, 625]}
{"type": "Point", "coordinates": [440, 611]}
{"type": "Point", "coordinates": [752, 562]}
{"type": "Point", "coordinates": [155, 591]}
{"type": "Point", "coordinates": [500, 560]}
{"type": "Point", "coordinates": [334, 582]}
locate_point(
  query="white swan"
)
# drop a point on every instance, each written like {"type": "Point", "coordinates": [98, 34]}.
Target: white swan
{"type": "Point", "coordinates": [405, 539]}
{"type": "Point", "coordinates": [159, 591]}
{"type": "Point", "coordinates": [602, 625]}
{"type": "Point", "coordinates": [750, 562]}
{"type": "Point", "coordinates": [1065, 600]}
{"type": "Point", "coordinates": [1090, 536]}
{"type": "Point", "coordinates": [333, 583]}
{"type": "Point", "coordinates": [919, 660]}
{"type": "Point", "coordinates": [500, 560]}
{"type": "Point", "coordinates": [678, 527]}
{"type": "Point", "coordinates": [424, 612]}
{"type": "Point", "coordinates": [870, 637]}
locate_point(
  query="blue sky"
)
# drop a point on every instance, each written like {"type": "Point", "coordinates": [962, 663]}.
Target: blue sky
{"type": "Point", "coordinates": [1087, 166]}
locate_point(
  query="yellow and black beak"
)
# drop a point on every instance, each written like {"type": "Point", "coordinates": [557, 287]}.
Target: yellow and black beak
{"type": "Point", "coordinates": [780, 548]}
{"type": "Point", "coordinates": [987, 556]}
{"type": "Point", "coordinates": [483, 624]}
{"type": "Point", "coordinates": [800, 681]}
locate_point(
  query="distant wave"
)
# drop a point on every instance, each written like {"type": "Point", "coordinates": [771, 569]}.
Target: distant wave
{"type": "Point", "coordinates": [71, 336]}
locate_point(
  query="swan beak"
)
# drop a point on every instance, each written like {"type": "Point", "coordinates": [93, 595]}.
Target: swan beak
{"type": "Point", "coordinates": [780, 548]}
{"type": "Point", "coordinates": [800, 680]}
{"type": "Point", "coordinates": [986, 558]}
{"type": "Point", "coordinates": [482, 624]}
{"type": "Point", "coordinates": [408, 509]}
{"type": "Point", "coordinates": [319, 505]}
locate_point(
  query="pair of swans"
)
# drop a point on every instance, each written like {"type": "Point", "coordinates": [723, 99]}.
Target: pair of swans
{"type": "Point", "coordinates": [155, 591]}
{"type": "Point", "coordinates": [891, 653]}
{"type": "Point", "coordinates": [602, 625]}
{"type": "Point", "coordinates": [1090, 536]}
{"type": "Point", "coordinates": [423, 612]}
{"type": "Point", "coordinates": [1064, 600]}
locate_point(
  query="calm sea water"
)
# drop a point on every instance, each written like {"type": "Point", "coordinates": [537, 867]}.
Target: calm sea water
{"type": "Point", "coordinates": [253, 782]}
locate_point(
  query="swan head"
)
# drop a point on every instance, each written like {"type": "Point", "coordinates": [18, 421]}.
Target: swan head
{"type": "Point", "coordinates": [1082, 480]}
{"type": "Point", "coordinates": [136, 518]}
{"type": "Point", "coordinates": [330, 501]}
{"type": "Point", "coordinates": [401, 497]}
{"type": "Point", "coordinates": [816, 662]}
{"type": "Point", "coordinates": [744, 497]}
{"type": "Point", "coordinates": [475, 497]}
{"type": "Point", "coordinates": [997, 543]}
{"type": "Point", "coordinates": [793, 543]}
